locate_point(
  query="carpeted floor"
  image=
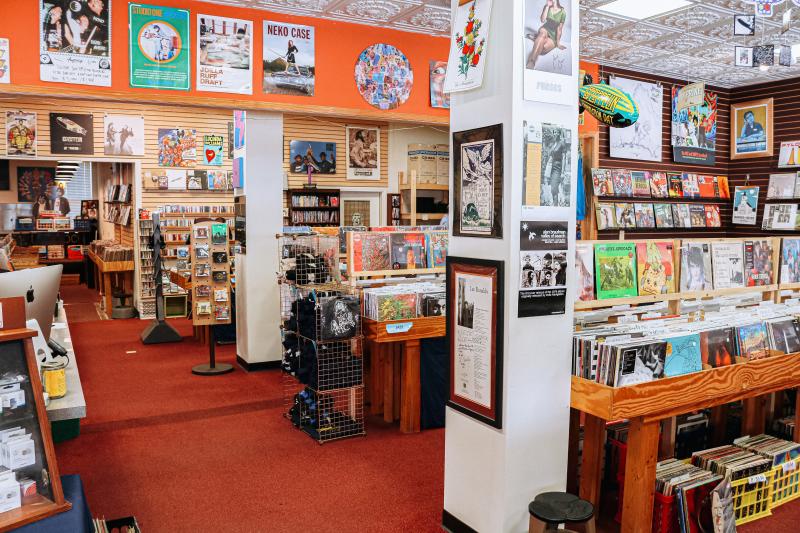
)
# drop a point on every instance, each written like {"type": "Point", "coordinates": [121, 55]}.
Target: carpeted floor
{"type": "Point", "coordinates": [80, 303]}
{"type": "Point", "coordinates": [185, 453]}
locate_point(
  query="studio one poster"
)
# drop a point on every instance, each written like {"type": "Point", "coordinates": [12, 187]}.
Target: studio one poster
{"type": "Point", "coordinates": [75, 41]}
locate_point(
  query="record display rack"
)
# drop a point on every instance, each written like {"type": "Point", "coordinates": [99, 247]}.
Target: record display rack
{"type": "Point", "coordinates": [770, 292]}
{"type": "Point", "coordinates": [352, 273]}
{"type": "Point", "coordinates": [147, 286]}
{"type": "Point", "coordinates": [645, 405]}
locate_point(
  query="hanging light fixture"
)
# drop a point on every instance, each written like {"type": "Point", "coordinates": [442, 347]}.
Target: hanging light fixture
{"type": "Point", "coordinates": [66, 170]}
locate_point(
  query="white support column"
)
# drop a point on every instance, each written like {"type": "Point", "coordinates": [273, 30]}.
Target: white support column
{"type": "Point", "coordinates": [257, 296]}
{"type": "Point", "coordinates": [491, 475]}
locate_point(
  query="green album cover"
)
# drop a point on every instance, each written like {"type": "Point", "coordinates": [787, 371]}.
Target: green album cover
{"type": "Point", "coordinates": [615, 270]}
{"type": "Point", "coordinates": [159, 47]}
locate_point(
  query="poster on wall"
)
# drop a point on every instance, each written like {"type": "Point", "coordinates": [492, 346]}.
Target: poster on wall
{"type": "Point", "coordinates": [75, 41]}
{"type": "Point", "coordinates": [33, 182]}
{"type": "Point", "coordinates": [468, 42]}
{"type": "Point", "coordinates": [745, 205]}
{"type": "Point", "coordinates": [694, 131]}
{"type": "Point", "coordinates": [383, 76]}
{"type": "Point", "coordinates": [159, 47]}
{"type": "Point", "coordinates": [475, 303]}
{"type": "Point", "coordinates": [543, 268]}
{"type": "Point", "coordinates": [642, 140]}
{"type": "Point", "coordinates": [5, 61]}
{"type": "Point", "coordinates": [751, 129]}
{"type": "Point", "coordinates": [224, 62]}
{"type": "Point", "coordinates": [550, 47]}
{"type": "Point", "coordinates": [319, 156]}
{"type": "Point", "coordinates": [238, 176]}
{"type": "Point", "coordinates": [438, 72]}
{"type": "Point", "coordinates": [478, 182]}
{"type": "Point", "coordinates": [289, 60]}
{"type": "Point", "coordinates": [547, 160]}
{"type": "Point", "coordinates": [789, 155]}
{"type": "Point", "coordinates": [177, 147]}
{"type": "Point", "coordinates": [212, 150]}
{"type": "Point", "coordinates": [20, 134]}
{"type": "Point", "coordinates": [124, 135]}
{"type": "Point", "coordinates": [71, 133]}
{"type": "Point", "coordinates": [363, 153]}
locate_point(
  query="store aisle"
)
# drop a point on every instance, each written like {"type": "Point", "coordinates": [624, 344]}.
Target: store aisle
{"type": "Point", "coordinates": [80, 303]}
{"type": "Point", "coordinates": [189, 453]}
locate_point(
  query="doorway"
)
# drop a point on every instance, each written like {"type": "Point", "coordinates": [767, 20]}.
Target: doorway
{"type": "Point", "coordinates": [360, 208]}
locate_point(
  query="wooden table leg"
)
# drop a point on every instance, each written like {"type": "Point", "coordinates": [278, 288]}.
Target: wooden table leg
{"type": "Point", "coordinates": [718, 419]}
{"type": "Point", "coordinates": [594, 443]}
{"type": "Point", "coordinates": [397, 353]}
{"type": "Point", "coordinates": [753, 415]}
{"type": "Point", "coordinates": [640, 476]}
{"type": "Point", "coordinates": [388, 383]}
{"type": "Point", "coordinates": [376, 378]}
{"type": "Point", "coordinates": [108, 292]}
{"type": "Point", "coordinates": [410, 393]}
{"type": "Point", "coordinates": [573, 451]}
{"type": "Point", "coordinates": [666, 445]}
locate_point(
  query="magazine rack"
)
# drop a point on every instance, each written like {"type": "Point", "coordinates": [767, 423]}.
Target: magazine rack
{"type": "Point", "coordinates": [427, 249]}
{"type": "Point", "coordinates": [45, 497]}
{"type": "Point", "coordinates": [647, 404]}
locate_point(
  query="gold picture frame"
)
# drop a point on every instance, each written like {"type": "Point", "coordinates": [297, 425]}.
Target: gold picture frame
{"type": "Point", "coordinates": [752, 129]}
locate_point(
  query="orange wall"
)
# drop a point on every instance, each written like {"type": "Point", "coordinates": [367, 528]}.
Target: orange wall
{"type": "Point", "coordinates": [337, 47]}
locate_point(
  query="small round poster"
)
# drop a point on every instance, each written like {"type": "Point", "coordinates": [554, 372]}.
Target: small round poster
{"type": "Point", "coordinates": [383, 76]}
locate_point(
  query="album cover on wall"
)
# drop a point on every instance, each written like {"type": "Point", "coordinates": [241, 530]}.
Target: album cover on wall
{"type": "Point", "coordinates": [659, 186]}
{"type": "Point", "coordinates": [645, 218]}
{"type": "Point", "coordinates": [584, 271]}
{"type": "Point", "coordinates": [478, 182]}
{"type": "Point", "coordinates": [745, 205]}
{"type": "Point", "coordinates": [71, 133]}
{"type": "Point", "coordinates": [615, 270]}
{"type": "Point", "coordinates": [623, 182]}
{"type": "Point", "coordinates": [758, 262]}
{"type": "Point", "coordinates": [663, 214]}
{"type": "Point", "coordinates": [727, 259]}
{"type": "Point", "coordinates": [606, 216]}
{"type": "Point", "coordinates": [655, 264]}
{"type": "Point", "coordinates": [602, 183]}
{"type": "Point", "coordinates": [695, 267]}
{"type": "Point", "coordinates": [625, 215]}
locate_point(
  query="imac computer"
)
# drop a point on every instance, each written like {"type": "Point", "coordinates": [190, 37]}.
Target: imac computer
{"type": "Point", "coordinates": [39, 287]}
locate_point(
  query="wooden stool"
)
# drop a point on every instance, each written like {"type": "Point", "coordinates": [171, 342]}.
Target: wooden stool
{"type": "Point", "coordinates": [551, 509]}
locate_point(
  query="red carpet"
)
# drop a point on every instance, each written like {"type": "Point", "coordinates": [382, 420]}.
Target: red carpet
{"type": "Point", "coordinates": [79, 303]}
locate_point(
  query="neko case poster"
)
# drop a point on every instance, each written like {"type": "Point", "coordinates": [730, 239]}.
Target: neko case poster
{"type": "Point", "coordinates": [224, 60]}
{"type": "Point", "coordinates": [20, 133]}
{"type": "Point", "coordinates": [694, 131]}
{"type": "Point", "coordinates": [475, 332]}
{"type": "Point", "coordinates": [363, 153]}
{"type": "Point", "coordinates": [75, 41]}
{"type": "Point", "coordinates": [159, 47]}
{"type": "Point", "coordinates": [478, 180]}
{"type": "Point", "coordinates": [71, 133]}
{"type": "Point", "coordinates": [543, 268]}
{"type": "Point", "coordinates": [289, 60]}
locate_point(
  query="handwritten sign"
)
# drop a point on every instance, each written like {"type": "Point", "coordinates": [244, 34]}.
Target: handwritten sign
{"type": "Point", "coordinates": [401, 327]}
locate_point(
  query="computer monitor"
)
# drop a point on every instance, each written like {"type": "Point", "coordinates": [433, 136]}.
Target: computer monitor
{"type": "Point", "coordinates": [39, 287]}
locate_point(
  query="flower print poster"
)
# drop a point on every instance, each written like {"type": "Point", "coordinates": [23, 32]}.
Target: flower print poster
{"type": "Point", "coordinates": [468, 46]}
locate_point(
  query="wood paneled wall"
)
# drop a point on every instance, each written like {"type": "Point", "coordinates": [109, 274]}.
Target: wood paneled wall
{"type": "Point", "coordinates": [786, 112]}
{"type": "Point", "coordinates": [667, 164]}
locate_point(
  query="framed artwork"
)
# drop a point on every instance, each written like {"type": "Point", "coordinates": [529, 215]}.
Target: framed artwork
{"type": "Point", "coordinates": [744, 24]}
{"type": "Point", "coordinates": [475, 333]}
{"type": "Point", "coordinates": [744, 56]}
{"type": "Point", "coordinates": [363, 152]}
{"type": "Point", "coordinates": [751, 129]}
{"type": "Point", "coordinates": [478, 182]}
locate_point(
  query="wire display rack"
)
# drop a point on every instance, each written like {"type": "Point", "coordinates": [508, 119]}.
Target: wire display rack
{"type": "Point", "coordinates": [309, 259]}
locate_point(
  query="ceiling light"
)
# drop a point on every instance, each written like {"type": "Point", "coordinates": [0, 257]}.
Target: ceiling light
{"type": "Point", "coordinates": [637, 9]}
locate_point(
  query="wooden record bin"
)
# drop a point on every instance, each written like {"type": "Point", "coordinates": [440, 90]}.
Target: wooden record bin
{"type": "Point", "coordinates": [33, 459]}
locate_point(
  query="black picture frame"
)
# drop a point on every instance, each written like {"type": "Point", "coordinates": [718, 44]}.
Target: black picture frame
{"type": "Point", "coordinates": [463, 141]}
{"type": "Point", "coordinates": [492, 416]}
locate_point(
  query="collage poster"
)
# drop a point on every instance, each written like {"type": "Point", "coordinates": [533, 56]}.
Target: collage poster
{"type": "Point", "coordinates": [124, 135]}
{"type": "Point", "coordinates": [75, 41]}
{"type": "Point", "coordinates": [224, 63]}
{"type": "Point", "coordinates": [177, 147]}
{"type": "Point", "coordinates": [363, 153]}
{"type": "Point", "coordinates": [745, 205]}
{"type": "Point", "coordinates": [438, 72]}
{"type": "Point", "coordinates": [159, 47]}
{"type": "Point", "coordinates": [20, 133]}
{"type": "Point", "coordinates": [383, 76]}
{"type": "Point", "coordinates": [694, 131]}
{"type": "Point", "coordinates": [289, 59]}
{"type": "Point", "coordinates": [642, 140]}
{"type": "Point", "coordinates": [472, 344]}
{"type": "Point", "coordinates": [468, 42]}
{"type": "Point", "coordinates": [551, 45]}
{"type": "Point", "coordinates": [71, 133]}
{"type": "Point", "coordinates": [543, 268]}
{"type": "Point", "coordinates": [5, 61]}
{"type": "Point", "coordinates": [547, 160]}
{"type": "Point", "coordinates": [212, 150]}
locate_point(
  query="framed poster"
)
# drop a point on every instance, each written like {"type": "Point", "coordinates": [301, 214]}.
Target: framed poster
{"type": "Point", "coordinates": [159, 47]}
{"type": "Point", "coordinates": [363, 153]}
{"type": "Point", "coordinates": [319, 156]}
{"type": "Point", "coordinates": [224, 64]}
{"type": "Point", "coordinates": [551, 44]}
{"type": "Point", "coordinates": [478, 182]}
{"type": "Point", "coordinates": [789, 155]}
{"type": "Point", "coordinates": [65, 59]}
{"type": "Point", "coordinates": [71, 133]}
{"type": "Point", "coordinates": [289, 59]}
{"type": "Point", "coordinates": [468, 44]}
{"type": "Point", "coordinates": [475, 332]}
{"type": "Point", "coordinates": [694, 130]}
{"type": "Point", "coordinates": [751, 129]}
{"type": "Point", "coordinates": [124, 135]}
{"type": "Point", "coordinates": [20, 133]}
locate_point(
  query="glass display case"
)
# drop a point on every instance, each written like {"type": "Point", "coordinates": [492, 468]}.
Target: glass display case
{"type": "Point", "coordinates": [30, 486]}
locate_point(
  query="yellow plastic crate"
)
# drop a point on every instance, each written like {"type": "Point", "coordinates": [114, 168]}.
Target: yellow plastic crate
{"type": "Point", "coordinates": [752, 497]}
{"type": "Point", "coordinates": [785, 483]}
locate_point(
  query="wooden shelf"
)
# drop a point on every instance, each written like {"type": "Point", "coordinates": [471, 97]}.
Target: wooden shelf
{"type": "Point", "coordinates": [650, 199]}
{"type": "Point", "coordinates": [426, 187]}
{"type": "Point", "coordinates": [110, 266]}
{"type": "Point", "coordinates": [325, 208]}
{"type": "Point", "coordinates": [38, 507]}
{"type": "Point", "coordinates": [638, 300]}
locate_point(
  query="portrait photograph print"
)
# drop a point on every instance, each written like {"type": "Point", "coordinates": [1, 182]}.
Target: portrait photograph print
{"type": "Point", "coordinates": [363, 153]}
{"type": "Point", "coordinates": [550, 46]}
{"type": "Point", "coordinates": [475, 302]}
{"type": "Point", "coordinates": [478, 182]}
{"type": "Point", "coordinates": [224, 59]}
{"type": "Point", "coordinates": [75, 41]}
{"type": "Point", "coordinates": [320, 157]}
{"type": "Point", "coordinates": [751, 129]}
{"type": "Point", "coordinates": [124, 135]}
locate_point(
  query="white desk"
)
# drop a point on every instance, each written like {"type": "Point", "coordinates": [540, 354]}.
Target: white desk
{"type": "Point", "coordinates": [73, 405]}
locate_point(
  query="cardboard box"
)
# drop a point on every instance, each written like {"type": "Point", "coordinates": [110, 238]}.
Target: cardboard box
{"type": "Point", "coordinates": [422, 160]}
{"type": "Point", "coordinates": [442, 164]}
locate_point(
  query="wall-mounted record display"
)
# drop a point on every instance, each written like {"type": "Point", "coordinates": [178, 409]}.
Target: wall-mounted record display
{"type": "Point", "coordinates": [211, 273]}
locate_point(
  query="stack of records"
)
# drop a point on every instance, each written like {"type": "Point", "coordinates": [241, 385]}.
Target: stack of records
{"type": "Point", "coordinates": [732, 462]}
{"type": "Point", "coordinates": [785, 427]}
{"type": "Point", "coordinates": [784, 334]}
{"type": "Point", "coordinates": [779, 451]}
{"type": "Point", "coordinates": [404, 301]}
